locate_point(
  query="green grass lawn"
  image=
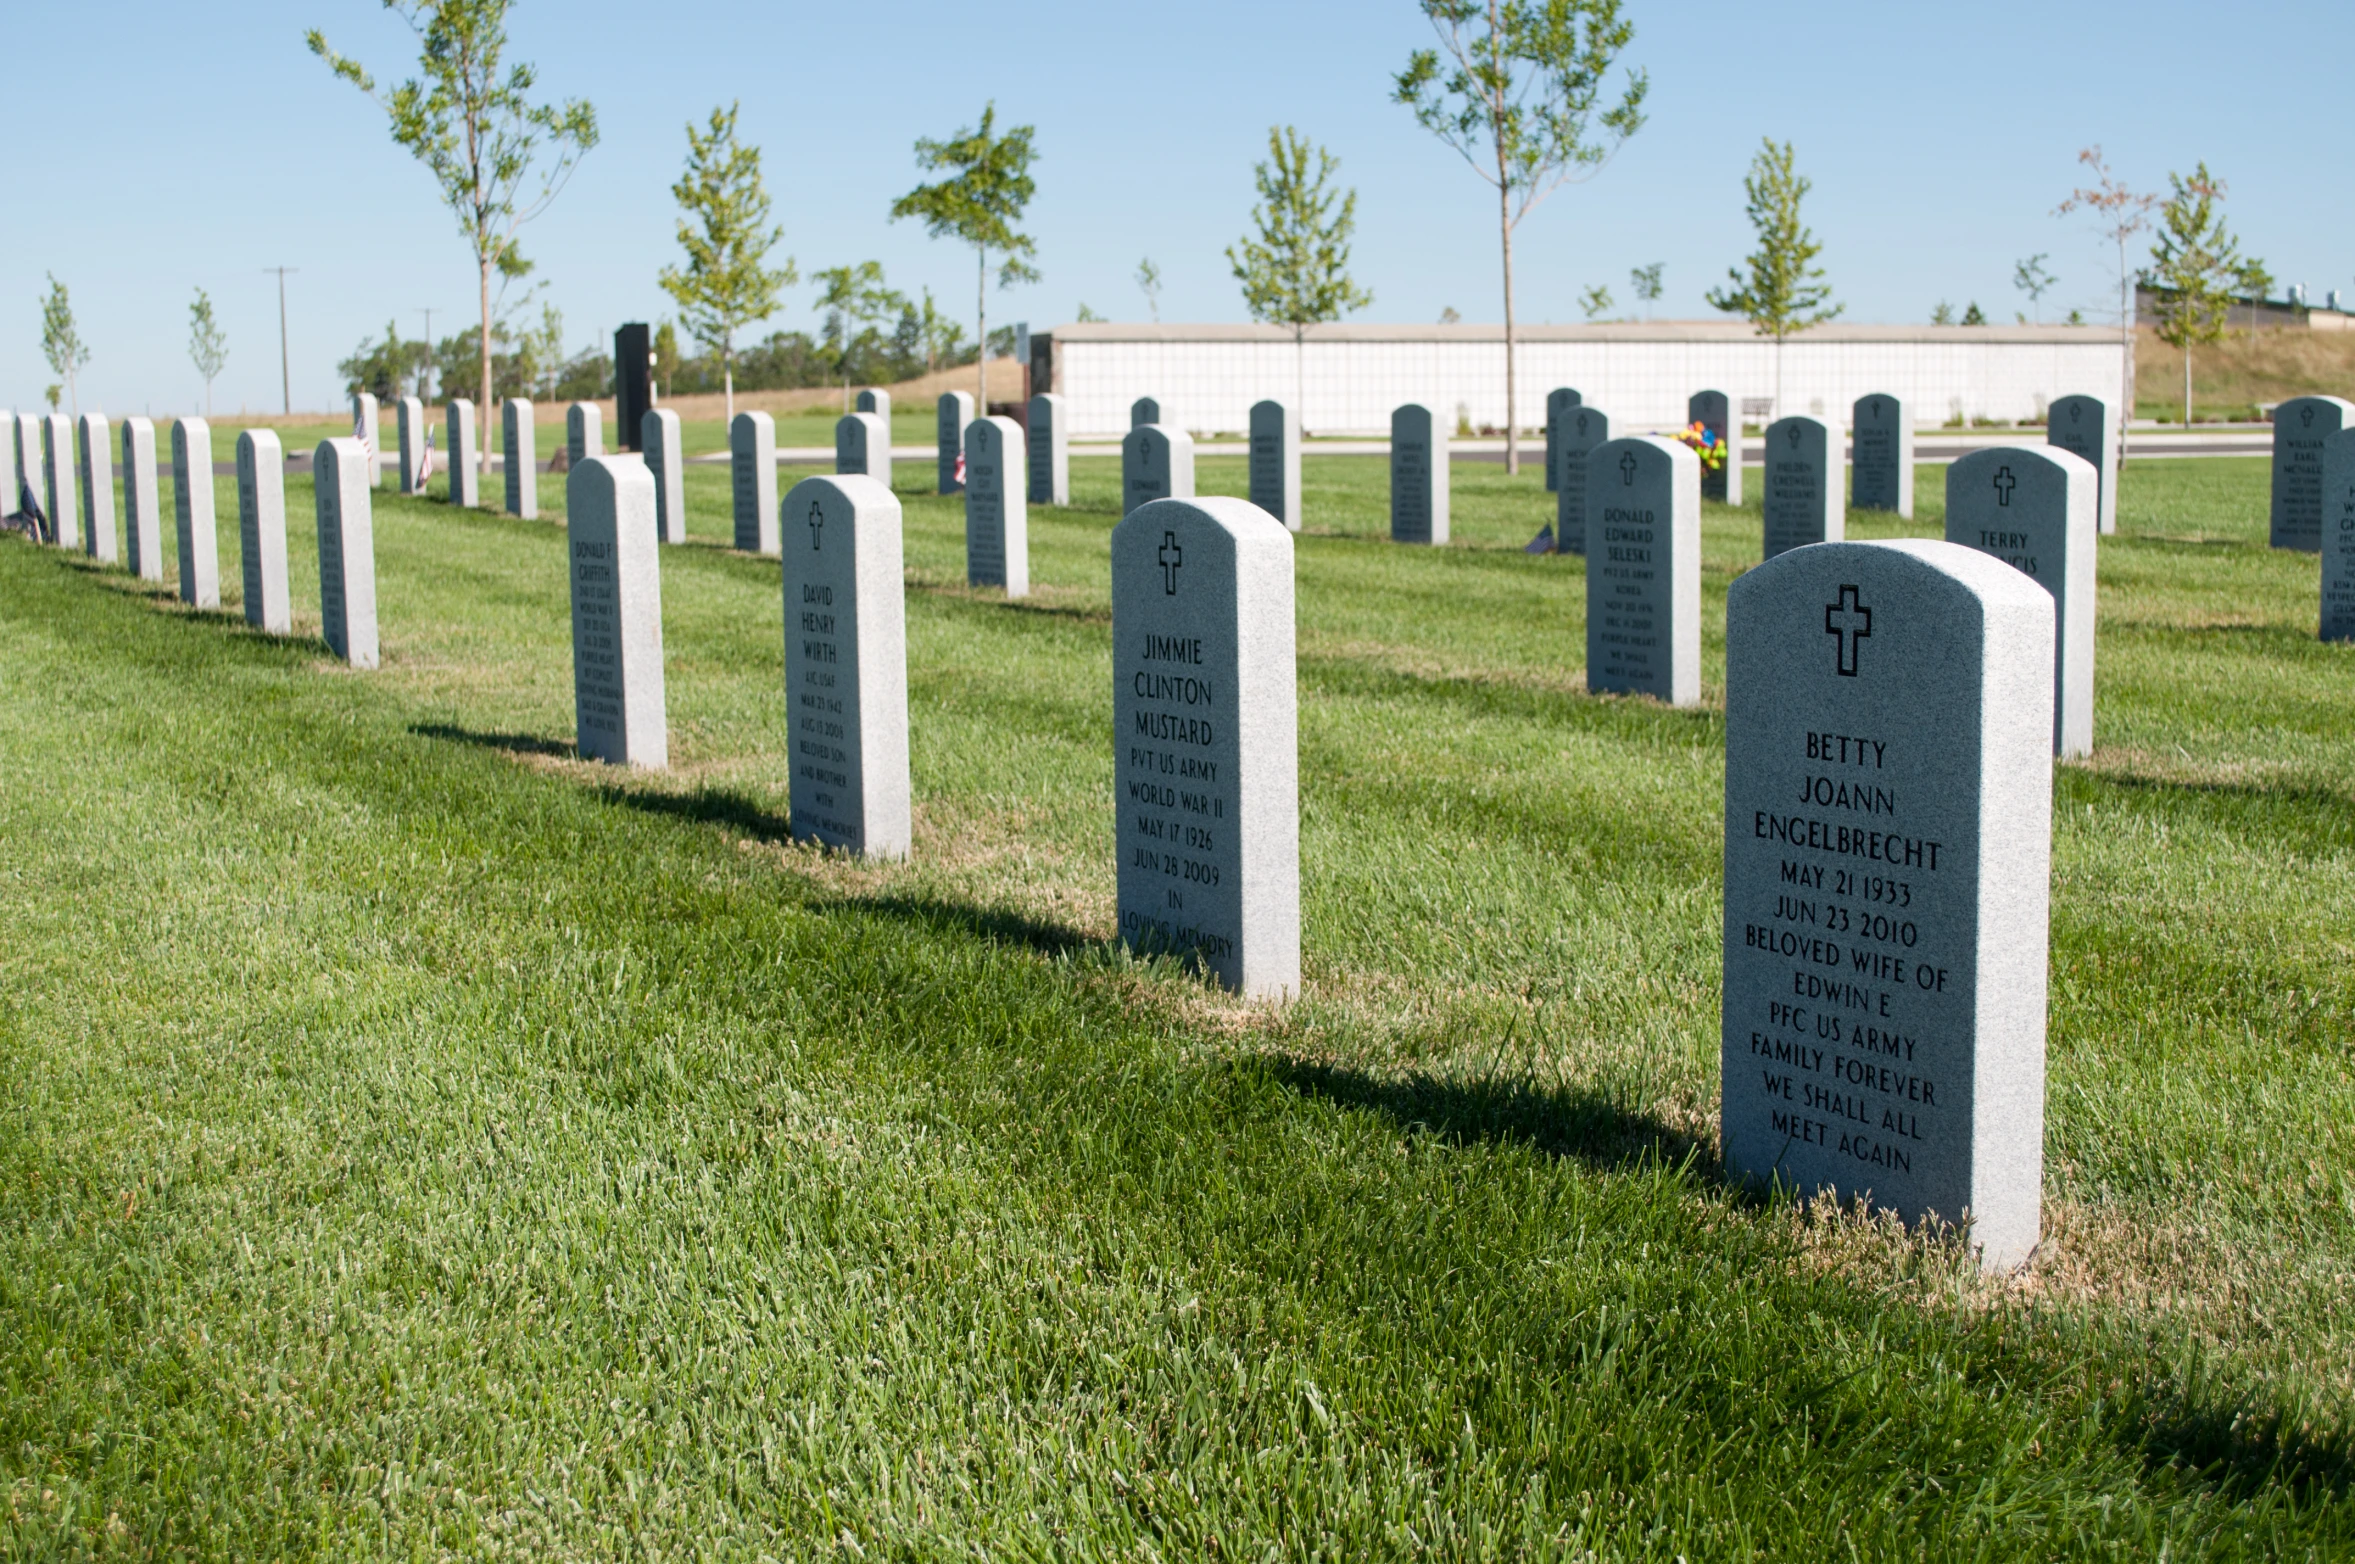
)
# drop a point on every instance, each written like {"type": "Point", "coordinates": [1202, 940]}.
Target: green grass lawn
{"type": "Point", "coordinates": [418, 1142]}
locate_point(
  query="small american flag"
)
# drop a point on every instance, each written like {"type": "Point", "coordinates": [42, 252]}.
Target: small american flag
{"type": "Point", "coordinates": [424, 462]}
{"type": "Point", "coordinates": [960, 469]}
{"type": "Point", "coordinates": [366, 436]}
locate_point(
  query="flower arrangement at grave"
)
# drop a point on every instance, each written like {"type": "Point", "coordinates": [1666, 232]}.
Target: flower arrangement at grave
{"type": "Point", "coordinates": [1705, 445]}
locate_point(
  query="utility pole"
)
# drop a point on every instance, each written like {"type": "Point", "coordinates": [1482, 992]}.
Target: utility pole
{"type": "Point", "coordinates": [425, 377]}
{"type": "Point", "coordinates": [285, 379]}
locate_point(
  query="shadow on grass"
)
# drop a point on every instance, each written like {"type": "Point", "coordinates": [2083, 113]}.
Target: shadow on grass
{"type": "Point", "coordinates": [707, 806]}
{"type": "Point", "coordinates": [510, 743]}
{"type": "Point", "coordinates": [993, 924]}
{"type": "Point", "coordinates": [2242, 1445]}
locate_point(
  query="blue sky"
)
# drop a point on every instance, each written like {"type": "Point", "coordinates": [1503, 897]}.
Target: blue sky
{"type": "Point", "coordinates": [155, 157]}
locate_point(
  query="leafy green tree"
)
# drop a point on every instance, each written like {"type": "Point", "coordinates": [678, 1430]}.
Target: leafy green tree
{"type": "Point", "coordinates": [477, 131]}
{"type": "Point", "coordinates": [61, 343]}
{"type": "Point", "coordinates": [2121, 213]}
{"type": "Point", "coordinates": [1518, 98]}
{"type": "Point", "coordinates": [979, 203]}
{"type": "Point", "coordinates": [666, 357]}
{"type": "Point", "coordinates": [1645, 280]}
{"type": "Point", "coordinates": [539, 351]}
{"type": "Point", "coordinates": [1973, 315]}
{"type": "Point", "coordinates": [386, 369]}
{"type": "Point", "coordinates": [208, 345]}
{"type": "Point", "coordinates": [1783, 293]}
{"type": "Point", "coordinates": [1149, 284]}
{"type": "Point", "coordinates": [2193, 268]}
{"type": "Point", "coordinates": [1296, 270]}
{"type": "Point", "coordinates": [1942, 314]}
{"type": "Point", "coordinates": [1086, 315]}
{"type": "Point", "coordinates": [944, 339]}
{"type": "Point", "coordinates": [726, 234]}
{"type": "Point", "coordinates": [1595, 300]}
{"type": "Point", "coordinates": [856, 295]}
{"type": "Point", "coordinates": [2031, 278]}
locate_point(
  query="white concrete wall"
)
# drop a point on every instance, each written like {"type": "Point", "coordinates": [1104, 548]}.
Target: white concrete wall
{"type": "Point", "coordinates": [1207, 377]}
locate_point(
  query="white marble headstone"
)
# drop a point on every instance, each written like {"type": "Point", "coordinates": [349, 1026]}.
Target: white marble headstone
{"type": "Point", "coordinates": [368, 427]}
{"type": "Point", "coordinates": [1715, 410]}
{"type": "Point", "coordinates": [1155, 464]}
{"type": "Point", "coordinates": [617, 686]}
{"type": "Point", "coordinates": [2338, 537]}
{"type": "Point", "coordinates": [1583, 428]}
{"type": "Point", "coordinates": [1144, 410]}
{"type": "Point", "coordinates": [2300, 426]}
{"type": "Point", "coordinates": [409, 433]}
{"type": "Point", "coordinates": [347, 550]}
{"type": "Point", "coordinates": [1418, 476]}
{"type": "Point", "coordinates": [1048, 440]}
{"type": "Point", "coordinates": [752, 471]}
{"type": "Point", "coordinates": [1275, 462]}
{"type": "Point", "coordinates": [997, 515]}
{"type": "Point", "coordinates": [520, 437]}
{"type": "Point", "coordinates": [1559, 404]}
{"type": "Point", "coordinates": [1888, 842]}
{"type": "Point", "coordinates": [846, 665]}
{"type": "Point", "coordinates": [1206, 751]}
{"type": "Point", "coordinates": [261, 529]}
{"type": "Point", "coordinates": [11, 442]}
{"type": "Point", "coordinates": [659, 436]}
{"type": "Point", "coordinates": [95, 470]}
{"type": "Point", "coordinates": [2032, 506]}
{"type": "Point", "coordinates": [1643, 569]}
{"type": "Point", "coordinates": [876, 402]}
{"type": "Point", "coordinates": [143, 511]}
{"type": "Point", "coordinates": [1881, 473]}
{"type": "Point", "coordinates": [584, 433]}
{"type": "Point", "coordinates": [1803, 500]}
{"type": "Point", "coordinates": [26, 431]}
{"type": "Point", "coordinates": [952, 413]}
{"type": "Point", "coordinates": [463, 453]}
{"type": "Point", "coordinates": [2081, 426]}
{"type": "Point", "coordinates": [862, 446]}
{"type": "Point", "coordinates": [192, 513]}
{"type": "Point", "coordinates": [58, 480]}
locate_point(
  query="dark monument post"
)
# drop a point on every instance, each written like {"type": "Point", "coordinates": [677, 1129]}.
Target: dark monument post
{"type": "Point", "coordinates": [633, 393]}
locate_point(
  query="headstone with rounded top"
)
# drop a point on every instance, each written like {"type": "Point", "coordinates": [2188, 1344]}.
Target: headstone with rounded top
{"type": "Point", "coordinates": [616, 571]}
{"type": "Point", "coordinates": [874, 401]}
{"type": "Point", "coordinates": [347, 550]}
{"type": "Point", "coordinates": [862, 446]}
{"type": "Point", "coordinates": [521, 438]}
{"type": "Point", "coordinates": [409, 432]}
{"type": "Point", "coordinates": [143, 511]}
{"type": "Point", "coordinates": [2300, 426]}
{"type": "Point", "coordinates": [1155, 464]}
{"type": "Point", "coordinates": [1275, 461]}
{"type": "Point", "coordinates": [1882, 469]}
{"type": "Point", "coordinates": [1206, 751]}
{"type": "Point", "coordinates": [1583, 428]}
{"type": "Point", "coordinates": [1144, 410]}
{"type": "Point", "coordinates": [192, 513]}
{"type": "Point", "coordinates": [11, 442]}
{"type": "Point", "coordinates": [463, 458]}
{"type": "Point", "coordinates": [1802, 503]}
{"type": "Point", "coordinates": [57, 480]}
{"type": "Point", "coordinates": [1559, 404]}
{"type": "Point", "coordinates": [1888, 845]}
{"type": "Point", "coordinates": [1722, 415]}
{"type": "Point", "coordinates": [2032, 506]}
{"type": "Point", "coordinates": [94, 469]}
{"type": "Point", "coordinates": [1048, 441]}
{"type": "Point", "coordinates": [1418, 476]}
{"type": "Point", "coordinates": [997, 517]}
{"type": "Point", "coordinates": [368, 427]}
{"type": "Point", "coordinates": [752, 470]}
{"type": "Point", "coordinates": [2338, 537]}
{"type": "Point", "coordinates": [2081, 426]}
{"type": "Point", "coordinates": [1643, 569]}
{"type": "Point", "coordinates": [658, 438]}
{"type": "Point", "coordinates": [951, 413]}
{"type": "Point", "coordinates": [261, 529]}
{"type": "Point", "coordinates": [846, 665]}
{"type": "Point", "coordinates": [584, 434]}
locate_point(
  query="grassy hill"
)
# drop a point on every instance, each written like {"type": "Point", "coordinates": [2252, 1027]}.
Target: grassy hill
{"type": "Point", "coordinates": [2232, 377]}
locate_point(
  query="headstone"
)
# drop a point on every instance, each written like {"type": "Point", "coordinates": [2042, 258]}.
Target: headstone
{"type": "Point", "coordinates": [2300, 426]}
{"type": "Point", "coordinates": [261, 529]}
{"type": "Point", "coordinates": [846, 665]}
{"type": "Point", "coordinates": [1418, 476]}
{"type": "Point", "coordinates": [57, 479]}
{"type": "Point", "coordinates": [1888, 843]}
{"type": "Point", "coordinates": [367, 428]}
{"type": "Point", "coordinates": [1275, 462]}
{"type": "Point", "coordinates": [862, 446]}
{"type": "Point", "coordinates": [1559, 405]}
{"type": "Point", "coordinates": [752, 467]}
{"type": "Point", "coordinates": [997, 519]}
{"type": "Point", "coordinates": [143, 511]}
{"type": "Point", "coordinates": [2080, 425]}
{"type": "Point", "coordinates": [1205, 741]}
{"type": "Point", "coordinates": [347, 551]}
{"type": "Point", "coordinates": [192, 513]}
{"type": "Point", "coordinates": [1803, 501]}
{"type": "Point", "coordinates": [876, 402]}
{"type": "Point", "coordinates": [519, 433]}
{"type": "Point", "coordinates": [1882, 470]}
{"type": "Point", "coordinates": [1144, 410]}
{"type": "Point", "coordinates": [409, 430]}
{"type": "Point", "coordinates": [955, 411]}
{"type": "Point", "coordinates": [11, 442]}
{"type": "Point", "coordinates": [1583, 430]}
{"type": "Point", "coordinates": [25, 430]}
{"type": "Point", "coordinates": [1643, 569]}
{"type": "Point", "coordinates": [1155, 464]}
{"type": "Point", "coordinates": [1716, 411]}
{"type": "Point", "coordinates": [659, 439]}
{"type": "Point", "coordinates": [633, 382]}
{"type": "Point", "coordinates": [584, 434]}
{"type": "Point", "coordinates": [2032, 506]}
{"type": "Point", "coordinates": [2338, 537]}
{"type": "Point", "coordinates": [1048, 440]}
{"type": "Point", "coordinates": [617, 690]}
{"type": "Point", "coordinates": [95, 471]}
{"type": "Point", "coordinates": [463, 454]}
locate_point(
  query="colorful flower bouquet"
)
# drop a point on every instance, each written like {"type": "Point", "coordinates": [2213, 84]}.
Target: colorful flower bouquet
{"type": "Point", "coordinates": [1705, 444]}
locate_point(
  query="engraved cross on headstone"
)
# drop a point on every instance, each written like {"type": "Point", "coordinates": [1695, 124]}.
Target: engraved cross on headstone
{"type": "Point", "coordinates": [1627, 468]}
{"type": "Point", "coordinates": [1171, 556]}
{"type": "Point", "coordinates": [817, 521]}
{"type": "Point", "coordinates": [2004, 484]}
{"type": "Point", "coordinates": [1852, 622]}
{"type": "Point", "coordinates": [2305, 417]}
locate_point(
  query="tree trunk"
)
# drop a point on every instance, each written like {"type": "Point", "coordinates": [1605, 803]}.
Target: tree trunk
{"type": "Point", "coordinates": [1300, 374]}
{"type": "Point", "coordinates": [482, 409]}
{"type": "Point", "coordinates": [2187, 385]}
{"type": "Point", "coordinates": [728, 379]}
{"type": "Point", "coordinates": [2125, 352]}
{"type": "Point", "coordinates": [981, 320]}
{"type": "Point", "coordinates": [1512, 422]}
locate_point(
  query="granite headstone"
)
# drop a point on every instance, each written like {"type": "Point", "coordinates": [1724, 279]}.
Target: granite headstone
{"type": "Point", "coordinates": [261, 529]}
{"type": "Point", "coordinates": [1643, 569]}
{"type": "Point", "coordinates": [658, 437]}
{"type": "Point", "coordinates": [584, 434]}
{"type": "Point", "coordinates": [1155, 464]}
{"type": "Point", "coordinates": [347, 551]}
{"type": "Point", "coordinates": [862, 447]}
{"type": "Point", "coordinates": [2300, 426]}
{"type": "Point", "coordinates": [1048, 440]}
{"type": "Point", "coordinates": [1715, 411]}
{"type": "Point", "coordinates": [1275, 462]}
{"type": "Point", "coordinates": [1582, 430]}
{"type": "Point", "coordinates": [752, 471]}
{"type": "Point", "coordinates": [521, 457]}
{"type": "Point", "coordinates": [1882, 469]}
{"type": "Point", "coordinates": [464, 454]}
{"type": "Point", "coordinates": [368, 429]}
{"type": "Point", "coordinates": [846, 665]}
{"type": "Point", "coordinates": [192, 513]}
{"type": "Point", "coordinates": [1144, 410]}
{"type": "Point", "coordinates": [1559, 404]}
{"type": "Point", "coordinates": [94, 470]}
{"type": "Point", "coordinates": [1418, 476]}
{"type": "Point", "coordinates": [2081, 426]}
{"type": "Point", "coordinates": [2338, 537]}
{"type": "Point", "coordinates": [409, 432]}
{"type": "Point", "coordinates": [951, 414]}
{"type": "Point", "coordinates": [876, 402]}
{"type": "Point", "coordinates": [57, 480]}
{"type": "Point", "coordinates": [617, 687]}
{"type": "Point", "coordinates": [2032, 506]}
{"type": "Point", "coordinates": [1802, 503]}
{"type": "Point", "coordinates": [143, 510]}
{"type": "Point", "coordinates": [997, 515]}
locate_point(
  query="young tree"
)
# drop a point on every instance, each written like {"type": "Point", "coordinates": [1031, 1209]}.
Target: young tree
{"type": "Point", "coordinates": [1645, 280]}
{"type": "Point", "coordinates": [2193, 268]}
{"type": "Point", "coordinates": [856, 295]}
{"type": "Point", "coordinates": [2031, 278]}
{"type": "Point", "coordinates": [1973, 315]}
{"type": "Point", "coordinates": [481, 137]}
{"type": "Point", "coordinates": [1084, 316]}
{"type": "Point", "coordinates": [1942, 314]}
{"type": "Point", "coordinates": [1296, 271]}
{"type": "Point", "coordinates": [980, 203]}
{"type": "Point", "coordinates": [208, 345]}
{"type": "Point", "coordinates": [1783, 294]}
{"type": "Point", "coordinates": [1595, 300]}
{"type": "Point", "coordinates": [666, 358]}
{"type": "Point", "coordinates": [725, 287]}
{"type": "Point", "coordinates": [2119, 214]}
{"type": "Point", "coordinates": [62, 344]}
{"type": "Point", "coordinates": [944, 339]}
{"type": "Point", "coordinates": [1517, 99]}
{"type": "Point", "coordinates": [1149, 284]}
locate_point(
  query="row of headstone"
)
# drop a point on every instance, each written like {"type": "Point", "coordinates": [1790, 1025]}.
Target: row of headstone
{"type": "Point", "coordinates": [2302, 431]}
